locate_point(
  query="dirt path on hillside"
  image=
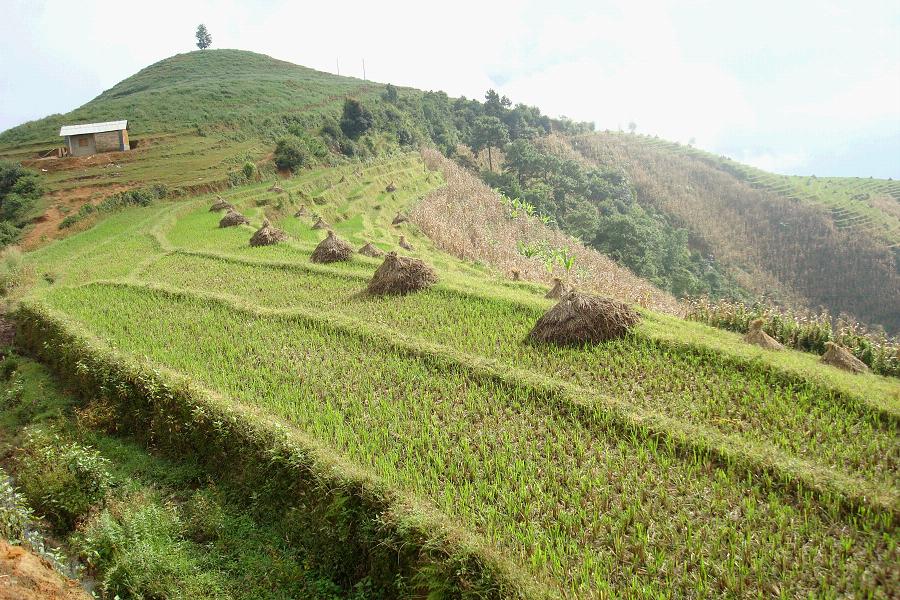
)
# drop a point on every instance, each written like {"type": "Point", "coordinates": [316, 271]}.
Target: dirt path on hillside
{"type": "Point", "coordinates": [63, 203]}
{"type": "Point", "coordinates": [26, 576]}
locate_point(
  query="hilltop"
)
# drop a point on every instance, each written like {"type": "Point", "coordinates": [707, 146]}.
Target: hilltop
{"type": "Point", "coordinates": [230, 90]}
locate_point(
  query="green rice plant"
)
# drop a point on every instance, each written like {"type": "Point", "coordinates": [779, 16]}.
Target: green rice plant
{"type": "Point", "coordinates": [551, 490]}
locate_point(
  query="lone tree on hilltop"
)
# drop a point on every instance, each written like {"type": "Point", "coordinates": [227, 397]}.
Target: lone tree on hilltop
{"type": "Point", "coordinates": [204, 40]}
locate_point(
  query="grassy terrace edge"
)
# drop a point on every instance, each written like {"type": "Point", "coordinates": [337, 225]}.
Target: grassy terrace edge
{"type": "Point", "coordinates": [371, 530]}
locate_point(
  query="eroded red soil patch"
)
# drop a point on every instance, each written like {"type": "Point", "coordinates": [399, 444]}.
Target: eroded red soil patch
{"type": "Point", "coordinates": [26, 576]}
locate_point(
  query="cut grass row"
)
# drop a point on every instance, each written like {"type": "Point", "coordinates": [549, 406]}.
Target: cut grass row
{"type": "Point", "coordinates": [582, 506]}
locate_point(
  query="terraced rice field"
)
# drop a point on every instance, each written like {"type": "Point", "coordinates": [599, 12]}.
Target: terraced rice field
{"type": "Point", "coordinates": [676, 462]}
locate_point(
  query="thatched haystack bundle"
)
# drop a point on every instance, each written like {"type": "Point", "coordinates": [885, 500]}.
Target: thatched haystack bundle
{"type": "Point", "coordinates": [332, 249]}
{"type": "Point", "coordinates": [220, 204]}
{"type": "Point", "coordinates": [276, 188]}
{"type": "Point", "coordinates": [267, 235]}
{"type": "Point", "coordinates": [758, 337]}
{"type": "Point", "coordinates": [301, 212]}
{"type": "Point", "coordinates": [840, 357]}
{"type": "Point", "coordinates": [233, 218]}
{"type": "Point", "coordinates": [320, 224]}
{"type": "Point", "coordinates": [584, 319]}
{"type": "Point", "coordinates": [401, 275]}
{"type": "Point", "coordinates": [371, 250]}
{"type": "Point", "coordinates": [399, 219]}
{"type": "Point", "coordinates": [557, 291]}
{"type": "Point", "coordinates": [404, 244]}
{"type": "Point", "coordinates": [516, 275]}
{"type": "Point", "coordinates": [390, 188]}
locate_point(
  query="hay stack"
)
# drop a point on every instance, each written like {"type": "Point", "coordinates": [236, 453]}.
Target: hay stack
{"type": "Point", "coordinates": [758, 337]}
{"type": "Point", "coordinates": [583, 319]}
{"type": "Point", "coordinates": [401, 275]}
{"type": "Point", "coordinates": [557, 291]}
{"type": "Point", "coordinates": [267, 235]}
{"type": "Point", "coordinates": [220, 204]}
{"type": "Point", "coordinates": [399, 219]}
{"type": "Point", "coordinates": [320, 224]}
{"type": "Point", "coordinates": [300, 211]}
{"type": "Point", "coordinates": [404, 244]}
{"type": "Point", "coordinates": [840, 357]}
{"type": "Point", "coordinates": [516, 275]}
{"type": "Point", "coordinates": [332, 249]}
{"type": "Point", "coordinates": [233, 218]}
{"type": "Point", "coordinates": [276, 188]}
{"type": "Point", "coordinates": [370, 250]}
{"type": "Point", "coordinates": [390, 188]}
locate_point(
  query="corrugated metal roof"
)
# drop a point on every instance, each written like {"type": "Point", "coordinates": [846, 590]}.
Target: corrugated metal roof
{"type": "Point", "coordinates": [92, 128]}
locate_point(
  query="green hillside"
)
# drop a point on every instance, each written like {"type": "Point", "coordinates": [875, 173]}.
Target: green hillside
{"type": "Point", "coordinates": [421, 446]}
{"type": "Point", "coordinates": [497, 467]}
{"type": "Point", "coordinates": [799, 241]}
{"type": "Point", "coordinates": [226, 90]}
{"type": "Point", "coordinates": [865, 206]}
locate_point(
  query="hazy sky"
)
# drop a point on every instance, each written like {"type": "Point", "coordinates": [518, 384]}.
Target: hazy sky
{"type": "Point", "coordinates": [790, 86]}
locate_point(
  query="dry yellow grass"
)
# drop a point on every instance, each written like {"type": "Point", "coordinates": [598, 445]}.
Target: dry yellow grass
{"type": "Point", "coordinates": [466, 218]}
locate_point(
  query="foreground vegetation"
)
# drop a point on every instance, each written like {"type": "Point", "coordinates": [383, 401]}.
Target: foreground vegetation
{"type": "Point", "coordinates": [676, 461]}
{"type": "Point", "coordinates": [808, 332]}
{"type": "Point", "coordinates": [139, 524]}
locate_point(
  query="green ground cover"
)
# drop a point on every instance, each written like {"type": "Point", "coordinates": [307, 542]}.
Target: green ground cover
{"type": "Point", "coordinates": [676, 461]}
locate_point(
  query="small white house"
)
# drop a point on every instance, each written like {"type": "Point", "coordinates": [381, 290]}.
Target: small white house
{"type": "Point", "coordinates": [91, 138]}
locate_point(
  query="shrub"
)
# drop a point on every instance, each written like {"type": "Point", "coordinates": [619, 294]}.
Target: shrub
{"type": "Point", "coordinates": [62, 481]}
{"type": "Point", "coordinates": [292, 153]}
{"type": "Point", "coordinates": [9, 233]}
{"type": "Point", "coordinates": [15, 514]}
{"type": "Point", "coordinates": [249, 170]}
{"type": "Point", "coordinates": [11, 267]}
{"type": "Point", "coordinates": [19, 188]}
{"type": "Point", "coordinates": [137, 552]}
{"type": "Point", "coordinates": [356, 119]}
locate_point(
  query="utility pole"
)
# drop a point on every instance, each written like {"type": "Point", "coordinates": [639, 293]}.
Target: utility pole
{"type": "Point", "coordinates": [337, 61]}
{"type": "Point", "coordinates": [364, 69]}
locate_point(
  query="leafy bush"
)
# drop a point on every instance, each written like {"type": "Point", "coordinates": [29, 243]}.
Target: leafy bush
{"type": "Point", "coordinates": [292, 154]}
{"type": "Point", "coordinates": [62, 481]}
{"type": "Point", "coordinates": [9, 233]}
{"type": "Point", "coordinates": [15, 514]}
{"type": "Point", "coordinates": [11, 267]}
{"type": "Point", "coordinates": [356, 119]}
{"type": "Point", "coordinates": [136, 549]}
{"type": "Point", "coordinates": [249, 170]}
{"type": "Point", "coordinates": [19, 188]}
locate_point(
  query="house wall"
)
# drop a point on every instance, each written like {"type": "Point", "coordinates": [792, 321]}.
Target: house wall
{"type": "Point", "coordinates": [82, 145]}
{"type": "Point", "coordinates": [108, 141]}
